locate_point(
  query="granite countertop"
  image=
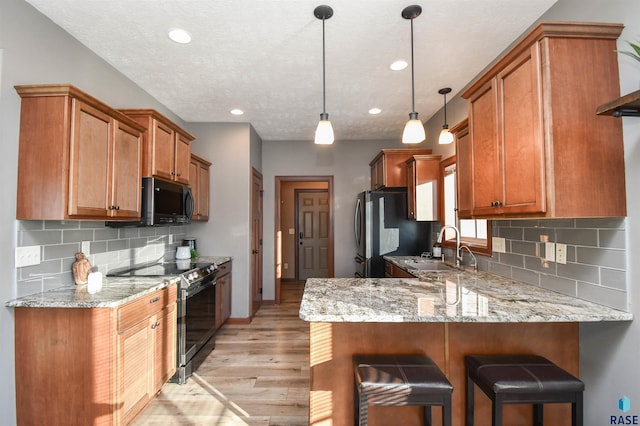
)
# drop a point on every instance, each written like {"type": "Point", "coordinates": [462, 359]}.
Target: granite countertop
{"type": "Point", "coordinates": [454, 295]}
{"type": "Point", "coordinates": [115, 291]}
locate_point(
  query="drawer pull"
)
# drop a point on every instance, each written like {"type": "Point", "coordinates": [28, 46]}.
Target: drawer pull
{"type": "Point", "coordinates": [155, 325]}
{"type": "Point", "coordinates": [154, 300]}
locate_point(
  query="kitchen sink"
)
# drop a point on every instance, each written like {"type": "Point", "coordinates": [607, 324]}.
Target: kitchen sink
{"type": "Point", "coordinates": [428, 265]}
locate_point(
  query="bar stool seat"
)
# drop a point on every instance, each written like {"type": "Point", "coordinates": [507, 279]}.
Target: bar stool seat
{"type": "Point", "coordinates": [521, 379]}
{"type": "Point", "coordinates": [400, 380]}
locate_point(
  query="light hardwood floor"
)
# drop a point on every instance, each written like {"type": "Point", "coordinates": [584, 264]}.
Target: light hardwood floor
{"type": "Point", "coordinates": [258, 374]}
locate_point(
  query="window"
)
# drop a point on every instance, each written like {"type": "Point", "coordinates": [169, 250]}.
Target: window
{"type": "Point", "coordinates": [474, 233]}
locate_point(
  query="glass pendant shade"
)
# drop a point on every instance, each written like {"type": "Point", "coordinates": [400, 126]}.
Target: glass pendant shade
{"type": "Point", "coordinates": [446, 137]}
{"type": "Point", "coordinates": [413, 130]}
{"type": "Point", "coordinates": [324, 131]}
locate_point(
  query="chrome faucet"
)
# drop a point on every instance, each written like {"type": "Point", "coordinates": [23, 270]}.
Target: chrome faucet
{"type": "Point", "coordinates": [458, 251]}
{"type": "Point", "coordinates": [475, 261]}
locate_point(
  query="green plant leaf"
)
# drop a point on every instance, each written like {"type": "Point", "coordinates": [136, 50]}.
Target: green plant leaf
{"type": "Point", "coordinates": [635, 54]}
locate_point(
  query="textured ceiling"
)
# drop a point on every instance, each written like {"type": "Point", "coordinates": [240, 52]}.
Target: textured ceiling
{"type": "Point", "coordinates": [265, 56]}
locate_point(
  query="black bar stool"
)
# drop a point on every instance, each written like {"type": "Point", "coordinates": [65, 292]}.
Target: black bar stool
{"type": "Point", "coordinates": [521, 379]}
{"type": "Point", "coordinates": [399, 380]}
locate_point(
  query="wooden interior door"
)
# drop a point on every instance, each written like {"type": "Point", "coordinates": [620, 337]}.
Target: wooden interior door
{"type": "Point", "coordinates": [313, 233]}
{"type": "Point", "coordinates": [256, 241]}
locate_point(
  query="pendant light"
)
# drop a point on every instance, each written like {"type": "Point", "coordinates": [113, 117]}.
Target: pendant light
{"type": "Point", "coordinates": [324, 131]}
{"type": "Point", "coordinates": [446, 137]}
{"type": "Point", "coordinates": [414, 129]}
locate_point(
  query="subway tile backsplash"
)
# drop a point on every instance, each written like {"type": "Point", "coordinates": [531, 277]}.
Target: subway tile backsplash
{"type": "Point", "coordinates": [111, 248]}
{"type": "Point", "coordinates": [596, 257]}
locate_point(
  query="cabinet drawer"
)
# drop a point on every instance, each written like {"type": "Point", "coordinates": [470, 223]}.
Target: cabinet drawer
{"type": "Point", "coordinates": [144, 307]}
{"type": "Point", "coordinates": [224, 268]}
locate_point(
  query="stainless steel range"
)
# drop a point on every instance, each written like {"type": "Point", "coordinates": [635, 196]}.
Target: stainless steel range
{"type": "Point", "coordinates": [196, 309]}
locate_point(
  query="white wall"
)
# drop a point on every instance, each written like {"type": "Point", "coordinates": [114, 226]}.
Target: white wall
{"type": "Point", "coordinates": [347, 162]}
{"type": "Point", "coordinates": [227, 233]}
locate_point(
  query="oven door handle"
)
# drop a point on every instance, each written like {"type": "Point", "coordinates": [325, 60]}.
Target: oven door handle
{"type": "Point", "coordinates": [192, 291]}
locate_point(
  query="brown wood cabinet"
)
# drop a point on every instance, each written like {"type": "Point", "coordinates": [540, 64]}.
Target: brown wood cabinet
{"type": "Point", "coordinates": [199, 182]}
{"type": "Point", "coordinates": [97, 366]}
{"type": "Point", "coordinates": [166, 150]}
{"type": "Point", "coordinates": [223, 294]}
{"type": "Point", "coordinates": [464, 169]}
{"type": "Point", "coordinates": [78, 158]}
{"type": "Point", "coordinates": [388, 168]}
{"type": "Point", "coordinates": [536, 146]}
{"type": "Point", "coordinates": [392, 271]}
{"type": "Point", "coordinates": [423, 187]}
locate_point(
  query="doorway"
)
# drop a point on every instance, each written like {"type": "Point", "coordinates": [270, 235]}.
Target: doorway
{"type": "Point", "coordinates": [287, 228]}
{"type": "Point", "coordinates": [256, 240]}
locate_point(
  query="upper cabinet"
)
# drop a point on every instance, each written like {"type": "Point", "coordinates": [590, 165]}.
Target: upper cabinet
{"type": "Point", "coordinates": [535, 146]}
{"type": "Point", "coordinates": [388, 168]}
{"type": "Point", "coordinates": [78, 158]}
{"type": "Point", "coordinates": [167, 147]}
{"type": "Point", "coordinates": [423, 175]}
{"type": "Point", "coordinates": [463, 169]}
{"type": "Point", "coordinates": [199, 182]}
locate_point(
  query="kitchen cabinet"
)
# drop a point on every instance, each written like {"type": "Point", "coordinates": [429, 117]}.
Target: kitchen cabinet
{"type": "Point", "coordinates": [199, 182]}
{"type": "Point", "coordinates": [223, 293]}
{"type": "Point", "coordinates": [78, 158]}
{"type": "Point", "coordinates": [423, 177]}
{"type": "Point", "coordinates": [388, 168]}
{"type": "Point", "coordinates": [166, 150]}
{"type": "Point", "coordinates": [392, 271]}
{"type": "Point", "coordinates": [464, 185]}
{"type": "Point", "coordinates": [103, 365]}
{"type": "Point", "coordinates": [536, 146]}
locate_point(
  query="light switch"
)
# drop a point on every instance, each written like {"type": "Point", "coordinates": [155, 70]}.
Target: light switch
{"type": "Point", "coordinates": [292, 231]}
{"type": "Point", "coordinates": [27, 256]}
{"type": "Point", "coordinates": [550, 252]}
{"type": "Point", "coordinates": [86, 248]}
{"type": "Point", "coordinates": [498, 244]}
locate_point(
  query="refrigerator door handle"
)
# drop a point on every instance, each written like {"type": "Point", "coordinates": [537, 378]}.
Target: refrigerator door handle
{"type": "Point", "coordinates": [357, 223]}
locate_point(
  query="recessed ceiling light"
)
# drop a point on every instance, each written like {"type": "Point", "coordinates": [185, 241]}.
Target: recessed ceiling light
{"type": "Point", "coordinates": [399, 65]}
{"type": "Point", "coordinates": [179, 36]}
{"type": "Point", "coordinates": [236, 111]}
{"type": "Point", "coordinates": [374, 111]}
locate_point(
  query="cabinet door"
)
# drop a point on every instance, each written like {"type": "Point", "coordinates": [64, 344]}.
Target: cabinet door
{"type": "Point", "coordinates": [127, 172]}
{"type": "Point", "coordinates": [377, 174]}
{"type": "Point", "coordinates": [195, 187]}
{"type": "Point", "coordinates": [89, 169]}
{"type": "Point", "coordinates": [463, 172]}
{"type": "Point", "coordinates": [164, 346]}
{"type": "Point", "coordinates": [203, 192]}
{"type": "Point", "coordinates": [521, 135]}
{"type": "Point", "coordinates": [411, 189]}
{"type": "Point", "coordinates": [163, 151]}
{"type": "Point", "coordinates": [182, 159]}
{"type": "Point", "coordinates": [134, 367]}
{"type": "Point", "coordinates": [485, 157]}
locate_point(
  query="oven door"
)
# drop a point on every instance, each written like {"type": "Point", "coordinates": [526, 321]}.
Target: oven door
{"type": "Point", "coordinates": [196, 319]}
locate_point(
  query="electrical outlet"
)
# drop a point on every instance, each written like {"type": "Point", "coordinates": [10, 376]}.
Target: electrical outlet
{"type": "Point", "coordinates": [550, 251]}
{"type": "Point", "coordinates": [86, 248]}
{"type": "Point", "coordinates": [27, 256]}
{"type": "Point", "coordinates": [286, 266]}
{"type": "Point", "coordinates": [292, 231]}
{"type": "Point", "coordinates": [561, 253]}
{"type": "Point", "coordinates": [498, 244]}
{"type": "Point", "coordinates": [170, 239]}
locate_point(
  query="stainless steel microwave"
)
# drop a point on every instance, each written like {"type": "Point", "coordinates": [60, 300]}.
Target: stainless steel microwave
{"type": "Point", "coordinates": [163, 203]}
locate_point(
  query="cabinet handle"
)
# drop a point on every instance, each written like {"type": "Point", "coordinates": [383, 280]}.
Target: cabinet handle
{"type": "Point", "coordinates": [154, 300]}
{"type": "Point", "coordinates": [155, 325]}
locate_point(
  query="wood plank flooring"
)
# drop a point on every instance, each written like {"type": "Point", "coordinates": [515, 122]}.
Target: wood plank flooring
{"type": "Point", "coordinates": [258, 374]}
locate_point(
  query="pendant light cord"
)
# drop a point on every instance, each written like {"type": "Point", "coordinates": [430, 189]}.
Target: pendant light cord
{"type": "Point", "coordinates": [413, 100]}
{"type": "Point", "coordinates": [445, 109]}
{"type": "Point", "coordinates": [324, 102]}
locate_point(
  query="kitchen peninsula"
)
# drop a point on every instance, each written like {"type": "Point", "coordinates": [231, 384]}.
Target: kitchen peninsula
{"type": "Point", "coordinates": [445, 314]}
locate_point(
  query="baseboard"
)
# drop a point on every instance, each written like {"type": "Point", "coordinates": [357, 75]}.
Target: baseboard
{"type": "Point", "coordinates": [269, 302]}
{"type": "Point", "coordinates": [238, 321]}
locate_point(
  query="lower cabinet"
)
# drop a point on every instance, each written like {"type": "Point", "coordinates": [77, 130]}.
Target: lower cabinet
{"type": "Point", "coordinates": [97, 366]}
{"type": "Point", "coordinates": [223, 294]}
{"type": "Point", "coordinates": [392, 271]}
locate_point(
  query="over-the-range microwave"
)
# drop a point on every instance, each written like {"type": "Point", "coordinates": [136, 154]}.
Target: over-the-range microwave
{"type": "Point", "coordinates": [163, 203]}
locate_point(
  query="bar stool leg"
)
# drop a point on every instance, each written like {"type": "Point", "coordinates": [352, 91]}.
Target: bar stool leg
{"type": "Point", "coordinates": [496, 408]}
{"type": "Point", "coordinates": [446, 412]}
{"type": "Point", "coordinates": [576, 410]}
{"type": "Point", "coordinates": [469, 402]}
{"type": "Point", "coordinates": [538, 413]}
{"type": "Point", "coordinates": [427, 415]}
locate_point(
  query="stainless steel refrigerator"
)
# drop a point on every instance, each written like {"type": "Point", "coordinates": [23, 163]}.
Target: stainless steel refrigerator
{"type": "Point", "coordinates": [381, 228]}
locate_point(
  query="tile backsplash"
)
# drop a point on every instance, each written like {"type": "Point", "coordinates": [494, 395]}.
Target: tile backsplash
{"type": "Point", "coordinates": [111, 248]}
{"type": "Point", "coordinates": [596, 257]}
